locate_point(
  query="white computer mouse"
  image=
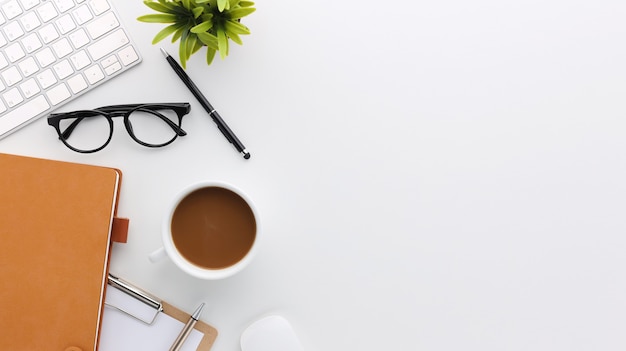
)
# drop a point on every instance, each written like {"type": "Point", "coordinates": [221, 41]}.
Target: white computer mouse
{"type": "Point", "coordinates": [273, 333]}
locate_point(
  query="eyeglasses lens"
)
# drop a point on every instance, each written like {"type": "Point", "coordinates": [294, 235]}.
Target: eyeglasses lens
{"type": "Point", "coordinates": [90, 131]}
{"type": "Point", "coordinates": [154, 127]}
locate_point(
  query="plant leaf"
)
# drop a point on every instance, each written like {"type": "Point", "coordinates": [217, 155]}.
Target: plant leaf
{"type": "Point", "coordinates": [164, 33]}
{"type": "Point", "coordinates": [158, 18]}
{"type": "Point", "coordinates": [222, 44]}
{"type": "Point", "coordinates": [182, 50]}
{"type": "Point", "coordinates": [208, 39]}
{"type": "Point", "coordinates": [244, 3]}
{"type": "Point", "coordinates": [179, 33]}
{"type": "Point", "coordinates": [206, 17]}
{"type": "Point", "coordinates": [221, 5]}
{"type": "Point", "coordinates": [240, 12]}
{"type": "Point", "coordinates": [210, 54]}
{"type": "Point", "coordinates": [202, 27]}
{"type": "Point", "coordinates": [197, 11]}
{"type": "Point", "coordinates": [192, 39]}
{"type": "Point", "coordinates": [168, 4]}
{"type": "Point", "coordinates": [180, 9]}
{"type": "Point", "coordinates": [236, 27]}
{"type": "Point", "coordinates": [234, 37]}
{"type": "Point", "coordinates": [198, 46]}
{"type": "Point", "coordinates": [158, 6]}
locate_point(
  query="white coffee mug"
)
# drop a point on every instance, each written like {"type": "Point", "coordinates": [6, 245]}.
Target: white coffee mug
{"type": "Point", "coordinates": [169, 248]}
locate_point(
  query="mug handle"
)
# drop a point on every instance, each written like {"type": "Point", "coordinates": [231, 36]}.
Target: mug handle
{"type": "Point", "coordinates": [157, 255]}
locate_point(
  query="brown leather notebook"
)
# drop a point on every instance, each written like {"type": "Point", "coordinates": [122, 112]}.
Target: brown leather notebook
{"type": "Point", "coordinates": [57, 221]}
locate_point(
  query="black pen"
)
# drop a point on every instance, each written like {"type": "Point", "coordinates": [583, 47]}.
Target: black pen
{"type": "Point", "coordinates": [221, 125]}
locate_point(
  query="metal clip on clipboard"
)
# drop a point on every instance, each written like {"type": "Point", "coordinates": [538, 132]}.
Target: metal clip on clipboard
{"type": "Point", "coordinates": [138, 294]}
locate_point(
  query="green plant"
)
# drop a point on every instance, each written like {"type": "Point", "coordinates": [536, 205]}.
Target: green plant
{"type": "Point", "coordinates": [198, 23]}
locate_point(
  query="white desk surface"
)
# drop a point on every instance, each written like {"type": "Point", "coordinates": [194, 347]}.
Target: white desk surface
{"type": "Point", "coordinates": [431, 175]}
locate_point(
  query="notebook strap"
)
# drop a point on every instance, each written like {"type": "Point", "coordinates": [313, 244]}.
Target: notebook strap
{"type": "Point", "coordinates": [120, 230]}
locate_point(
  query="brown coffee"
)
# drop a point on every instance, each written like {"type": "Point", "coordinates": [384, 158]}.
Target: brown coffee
{"type": "Point", "coordinates": [213, 227]}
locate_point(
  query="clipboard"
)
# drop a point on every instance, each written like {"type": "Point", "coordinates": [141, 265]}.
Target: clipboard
{"type": "Point", "coordinates": [134, 319]}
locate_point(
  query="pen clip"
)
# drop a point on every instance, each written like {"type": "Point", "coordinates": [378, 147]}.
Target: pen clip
{"type": "Point", "coordinates": [138, 294]}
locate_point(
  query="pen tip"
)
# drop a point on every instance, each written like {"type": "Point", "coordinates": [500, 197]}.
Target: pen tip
{"type": "Point", "coordinates": [164, 52]}
{"type": "Point", "coordinates": [246, 154]}
{"type": "Point", "coordinates": [196, 314]}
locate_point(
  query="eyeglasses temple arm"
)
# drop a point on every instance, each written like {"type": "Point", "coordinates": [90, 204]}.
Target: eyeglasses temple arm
{"type": "Point", "coordinates": [68, 131]}
{"type": "Point", "coordinates": [172, 125]}
{"type": "Point", "coordinates": [125, 107]}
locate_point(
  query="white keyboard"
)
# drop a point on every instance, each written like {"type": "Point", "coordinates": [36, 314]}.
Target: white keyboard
{"type": "Point", "coordinates": [52, 51]}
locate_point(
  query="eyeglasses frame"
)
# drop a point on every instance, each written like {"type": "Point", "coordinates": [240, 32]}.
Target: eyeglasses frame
{"type": "Point", "coordinates": [108, 112]}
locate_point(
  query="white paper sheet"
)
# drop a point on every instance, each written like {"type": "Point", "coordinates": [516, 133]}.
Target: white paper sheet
{"type": "Point", "coordinates": [121, 332]}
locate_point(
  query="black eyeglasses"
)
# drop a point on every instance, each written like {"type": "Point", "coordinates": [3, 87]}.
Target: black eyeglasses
{"type": "Point", "coordinates": [151, 125]}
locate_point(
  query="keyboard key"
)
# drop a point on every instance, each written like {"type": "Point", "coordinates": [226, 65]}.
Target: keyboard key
{"type": "Point", "coordinates": [14, 52]}
{"type": "Point", "coordinates": [80, 60]}
{"type": "Point", "coordinates": [109, 70]}
{"type": "Point", "coordinates": [62, 48]}
{"type": "Point", "coordinates": [99, 6]}
{"type": "Point", "coordinates": [30, 21]}
{"type": "Point", "coordinates": [11, 9]}
{"type": "Point", "coordinates": [24, 113]}
{"type": "Point", "coordinates": [3, 61]}
{"type": "Point", "coordinates": [63, 69]}
{"type": "Point", "coordinates": [47, 12]}
{"type": "Point", "coordinates": [109, 61]}
{"type": "Point", "coordinates": [11, 76]}
{"type": "Point", "coordinates": [108, 44]}
{"type": "Point", "coordinates": [64, 5]}
{"type": "Point", "coordinates": [77, 83]}
{"type": "Point", "coordinates": [46, 79]}
{"type": "Point", "coordinates": [31, 43]}
{"type": "Point", "coordinates": [12, 97]}
{"type": "Point", "coordinates": [58, 94]}
{"type": "Point", "coordinates": [45, 57]}
{"type": "Point", "coordinates": [65, 24]}
{"type": "Point", "coordinates": [29, 4]}
{"type": "Point", "coordinates": [13, 31]}
{"type": "Point", "coordinates": [29, 88]}
{"type": "Point", "coordinates": [3, 41]}
{"type": "Point", "coordinates": [102, 25]}
{"type": "Point", "coordinates": [28, 66]}
{"type": "Point", "coordinates": [48, 33]}
{"type": "Point", "coordinates": [79, 38]}
{"type": "Point", "coordinates": [82, 14]}
{"type": "Point", "coordinates": [94, 74]}
{"type": "Point", "coordinates": [2, 106]}
{"type": "Point", "coordinates": [128, 55]}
